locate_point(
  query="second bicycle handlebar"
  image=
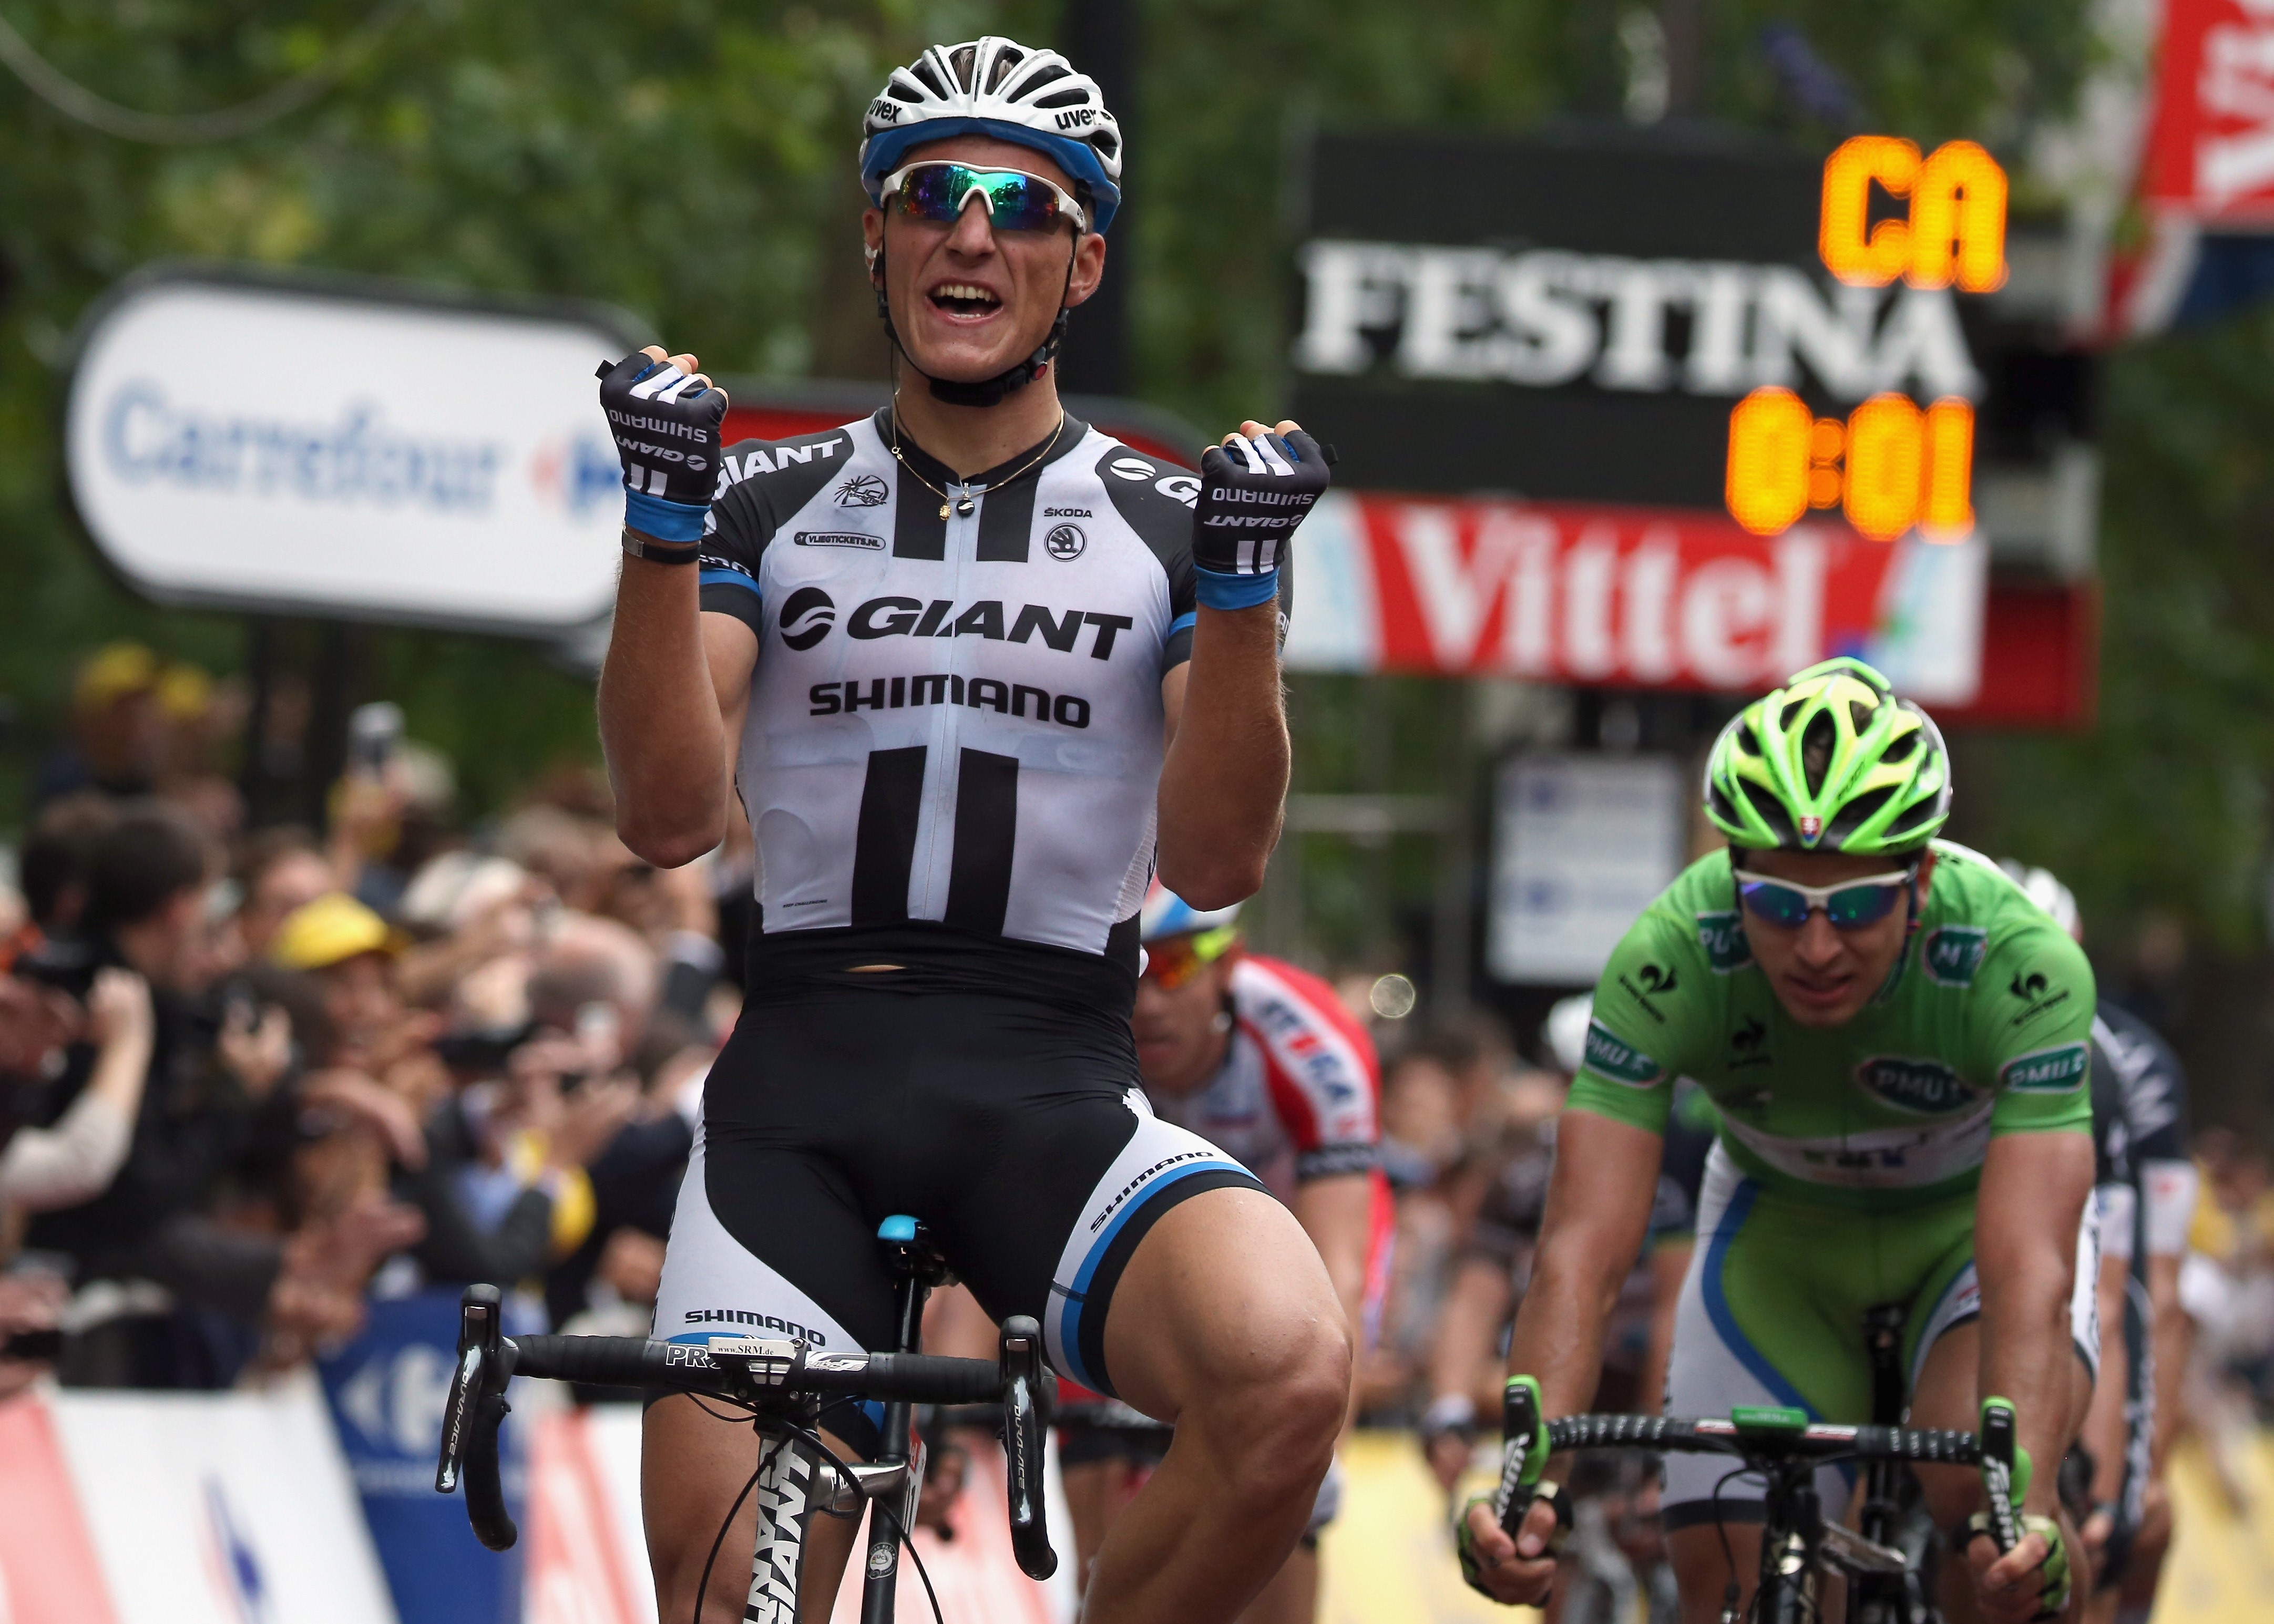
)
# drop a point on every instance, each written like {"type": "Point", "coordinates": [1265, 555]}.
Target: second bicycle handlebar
{"type": "Point", "coordinates": [1728, 1437]}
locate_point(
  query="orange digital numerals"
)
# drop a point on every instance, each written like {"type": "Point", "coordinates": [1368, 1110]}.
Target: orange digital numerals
{"type": "Point", "coordinates": [1889, 468]}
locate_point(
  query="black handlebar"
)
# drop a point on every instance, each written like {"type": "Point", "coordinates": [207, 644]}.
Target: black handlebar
{"type": "Point", "coordinates": [749, 1370]}
{"type": "Point", "coordinates": [1817, 1442]}
{"type": "Point", "coordinates": [635, 1362]}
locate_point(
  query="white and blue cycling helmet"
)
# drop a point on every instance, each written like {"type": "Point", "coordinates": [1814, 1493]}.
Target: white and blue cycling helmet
{"type": "Point", "coordinates": [997, 86]}
{"type": "Point", "coordinates": [1167, 914]}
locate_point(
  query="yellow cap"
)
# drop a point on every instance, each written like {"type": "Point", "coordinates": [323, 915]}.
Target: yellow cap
{"type": "Point", "coordinates": [113, 671]}
{"type": "Point", "coordinates": [185, 692]}
{"type": "Point", "coordinates": [331, 929]}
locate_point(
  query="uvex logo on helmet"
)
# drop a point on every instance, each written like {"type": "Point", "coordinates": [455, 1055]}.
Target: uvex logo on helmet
{"type": "Point", "coordinates": [807, 615]}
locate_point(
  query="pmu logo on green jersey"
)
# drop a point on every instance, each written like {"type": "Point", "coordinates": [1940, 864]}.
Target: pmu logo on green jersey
{"type": "Point", "coordinates": [1621, 1062]}
{"type": "Point", "coordinates": [2048, 1071]}
{"type": "Point", "coordinates": [1723, 938]}
{"type": "Point", "coordinates": [1925, 1087]}
{"type": "Point", "coordinates": [1951, 954]}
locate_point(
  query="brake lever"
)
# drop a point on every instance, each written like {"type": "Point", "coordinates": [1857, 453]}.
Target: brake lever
{"type": "Point", "coordinates": [471, 1419]}
{"type": "Point", "coordinates": [1521, 1467]}
{"type": "Point", "coordinates": [1026, 1426]}
{"type": "Point", "coordinates": [2005, 1472]}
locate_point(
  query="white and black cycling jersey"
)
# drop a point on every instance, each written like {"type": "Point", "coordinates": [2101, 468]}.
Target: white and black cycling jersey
{"type": "Point", "coordinates": [955, 729]}
{"type": "Point", "coordinates": [2145, 1174]}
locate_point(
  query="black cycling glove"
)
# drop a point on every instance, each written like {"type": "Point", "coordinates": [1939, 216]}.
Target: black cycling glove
{"type": "Point", "coordinates": [666, 428]}
{"type": "Point", "coordinates": [1253, 492]}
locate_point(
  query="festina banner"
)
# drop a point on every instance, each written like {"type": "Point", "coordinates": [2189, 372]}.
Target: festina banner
{"type": "Point", "coordinates": [1625, 596]}
{"type": "Point", "coordinates": [2211, 141]}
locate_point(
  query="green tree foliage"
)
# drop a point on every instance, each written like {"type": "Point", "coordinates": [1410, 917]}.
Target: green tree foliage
{"type": "Point", "coordinates": [2164, 803]}
{"type": "Point", "coordinates": [690, 160]}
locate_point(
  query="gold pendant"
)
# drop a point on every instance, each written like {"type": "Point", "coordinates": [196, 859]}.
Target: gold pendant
{"type": "Point", "coordinates": [942, 510]}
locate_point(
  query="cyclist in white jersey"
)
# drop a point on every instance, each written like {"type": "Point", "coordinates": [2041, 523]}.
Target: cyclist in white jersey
{"type": "Point", "coordinates": [969, 666]}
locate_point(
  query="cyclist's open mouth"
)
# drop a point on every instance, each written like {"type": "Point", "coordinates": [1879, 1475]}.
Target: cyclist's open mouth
{"type": "Point", "coordinates": [964, 301]}
{"type": "Point", "coordinates": [1818, 992]}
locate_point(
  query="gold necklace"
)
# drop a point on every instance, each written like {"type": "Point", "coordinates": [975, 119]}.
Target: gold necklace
{"type": "Point", "coordinates": [964, 505]}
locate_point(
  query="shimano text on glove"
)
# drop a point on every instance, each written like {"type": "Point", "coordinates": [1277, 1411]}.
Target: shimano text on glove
{"type": "Point", "coordinates": [1253, 492]}
{"type": "Point", "coordinates": [666, 424]}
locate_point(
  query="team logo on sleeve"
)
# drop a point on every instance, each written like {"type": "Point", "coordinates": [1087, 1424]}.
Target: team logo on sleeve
{"type": "Point", "coordinates": [862, 490]}
{"type": "Point", "coordinates": [2048, 1071]}
{"type": "Point", "coordinates": [1950, 954]}
{"type": "Point", "coordinates": [1723, 938]}
{"type": "Point", "coordinates": [1622, 1062]}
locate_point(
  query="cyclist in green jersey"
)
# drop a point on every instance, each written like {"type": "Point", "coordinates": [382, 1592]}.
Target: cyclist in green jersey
{"type": "Point", "coordinates": [1895, 1038]}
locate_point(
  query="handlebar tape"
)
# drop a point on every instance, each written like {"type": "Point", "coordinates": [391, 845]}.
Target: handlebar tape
{"type": "Point", "coordinates": [1883, 1443]}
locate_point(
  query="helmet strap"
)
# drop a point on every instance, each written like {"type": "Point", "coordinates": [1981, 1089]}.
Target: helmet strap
{"type": "Point", "coordinates": [986, 391]}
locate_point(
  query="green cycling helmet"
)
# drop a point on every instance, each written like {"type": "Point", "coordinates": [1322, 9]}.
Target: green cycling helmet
{"type": "Point", "coordinates": [1831, 762]}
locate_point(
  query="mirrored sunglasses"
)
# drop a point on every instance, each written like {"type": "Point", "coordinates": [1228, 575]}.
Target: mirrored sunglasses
{"type": "Point", "coordinates": [1016, 201]}
{"type": "Point", "coordinates": [1849, 906]}
{"type": "Point", "coordinates": [1172, 962]}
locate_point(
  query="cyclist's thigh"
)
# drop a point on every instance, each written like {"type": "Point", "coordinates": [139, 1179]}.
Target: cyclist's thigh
{"type": "Point", "coordinates": [1045, 1167]}
{"type": "Point", "coordinates": [1950, 1303]}
{"type": "Point", "coordinates": [1704, 1557]}
{"type": "Point", "coordinates": [770, 1237]}
{"type": "Point", "coordinates": [1755, 1326]}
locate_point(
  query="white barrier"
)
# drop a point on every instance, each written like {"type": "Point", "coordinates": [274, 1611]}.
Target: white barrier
{"type": "Point", "coordinates": [181, 1509]}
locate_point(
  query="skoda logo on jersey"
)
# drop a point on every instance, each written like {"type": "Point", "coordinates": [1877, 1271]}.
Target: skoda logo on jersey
{"type": "Point", "coordinates": [806, 617]}
{"type": "Point", "coordinates": [1924, 1088]}
{"type": "Point", "coordinates": [1064, 541]}
{"type": "Point", "coordinates": [862, 490]}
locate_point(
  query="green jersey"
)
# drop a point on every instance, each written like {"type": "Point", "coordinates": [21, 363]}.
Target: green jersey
{"type": "Point", "coordinates": [1982, 1029]}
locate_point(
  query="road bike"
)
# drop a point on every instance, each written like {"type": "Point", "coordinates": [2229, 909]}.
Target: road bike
{"type": "Point", "coordinates": [781, 1385]}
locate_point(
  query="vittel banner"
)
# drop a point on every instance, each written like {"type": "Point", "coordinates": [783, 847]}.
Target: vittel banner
{"type": "Point", "coordinates": [1624, 597]}
{"type": "Point", "coordinates": [306, 445]}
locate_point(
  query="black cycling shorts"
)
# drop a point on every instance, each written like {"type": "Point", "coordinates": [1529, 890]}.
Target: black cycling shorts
{"type": "Point", "coordinates": [1016, 1130]}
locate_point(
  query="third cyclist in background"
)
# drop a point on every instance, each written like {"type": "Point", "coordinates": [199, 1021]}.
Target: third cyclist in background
{"type": "Point", "coordinates": [1262, 1060]}
{"type": "Point", "coordinates": [2145, 1187]}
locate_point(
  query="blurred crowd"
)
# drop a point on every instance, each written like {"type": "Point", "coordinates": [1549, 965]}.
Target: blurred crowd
{"type": "Point", "coordinates": [252, 1078]}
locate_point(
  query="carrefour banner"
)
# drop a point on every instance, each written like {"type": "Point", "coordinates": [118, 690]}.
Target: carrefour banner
{"type": "Point", "coordinates": [364, 450]}
{"type": "Point", "coordinates": [1625, 596]}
